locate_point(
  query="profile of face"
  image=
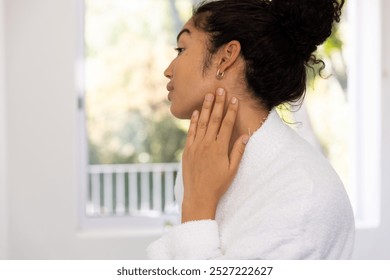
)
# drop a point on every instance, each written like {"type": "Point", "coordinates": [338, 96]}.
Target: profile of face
{"type": "Point", "coordinates": [189, 82]}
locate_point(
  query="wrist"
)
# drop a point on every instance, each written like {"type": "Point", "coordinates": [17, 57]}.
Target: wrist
{"type": "Point", "coordinates": [192, 211]}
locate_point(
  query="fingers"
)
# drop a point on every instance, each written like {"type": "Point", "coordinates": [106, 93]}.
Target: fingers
{"type": "Point", "coordinates": [227, 125]}
{"type": "Point", "coordinates": [192, 129]}
{"type": "Point", "coordinates": [210, 124]}
{"type": "Point", "coordinates": [204, 116]}
{"type": "Point", "coordinates": [216, 115]}
{"type": "Point", "coordinates": [237, 152]}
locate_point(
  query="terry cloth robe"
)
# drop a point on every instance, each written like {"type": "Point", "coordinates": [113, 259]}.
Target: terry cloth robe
{"type": "Point", "coordinates": [285, 202]}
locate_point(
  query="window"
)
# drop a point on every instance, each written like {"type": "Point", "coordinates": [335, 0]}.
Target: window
{"type": "Point", "coordinates": [134, 144]}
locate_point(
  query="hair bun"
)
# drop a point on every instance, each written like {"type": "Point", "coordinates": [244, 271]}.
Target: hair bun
{"type": "Point", "coordinates": [308, 23]}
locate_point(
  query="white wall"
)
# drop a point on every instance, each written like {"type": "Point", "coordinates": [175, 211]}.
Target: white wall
{"type": "Point", "coordinates": [374, 243]}
{"type": "Point", "coordinates": [3, 205]}
{"type": "Point", "coordinates": [42, 160]}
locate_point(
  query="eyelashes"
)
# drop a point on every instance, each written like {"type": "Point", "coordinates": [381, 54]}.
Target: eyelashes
{"type": "Point", "coordinates": [179, 50]}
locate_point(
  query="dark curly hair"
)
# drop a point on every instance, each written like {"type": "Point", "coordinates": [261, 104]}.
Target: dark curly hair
{"type": "Point", "coordinates": [277, 37]}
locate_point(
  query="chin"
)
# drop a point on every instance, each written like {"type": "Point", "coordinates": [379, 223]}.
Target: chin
{"type": "Point", "coordinates": [180, 114]}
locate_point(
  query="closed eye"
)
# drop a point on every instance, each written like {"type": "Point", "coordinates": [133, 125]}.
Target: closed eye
{"type": "Point", "coordinates": [179, 50]}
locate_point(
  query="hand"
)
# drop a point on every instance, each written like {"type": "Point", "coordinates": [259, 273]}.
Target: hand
{"type": "Point", "coordinates": [208, 167]}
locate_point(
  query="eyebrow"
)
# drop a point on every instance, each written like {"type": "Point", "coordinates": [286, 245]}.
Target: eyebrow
{"type": "Point", "coordinates": [185, 30]}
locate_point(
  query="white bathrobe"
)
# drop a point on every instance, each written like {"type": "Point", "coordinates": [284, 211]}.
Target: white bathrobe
{"type": "Point", "coordinates": [286, 202]}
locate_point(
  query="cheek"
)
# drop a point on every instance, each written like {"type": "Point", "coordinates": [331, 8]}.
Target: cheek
{"type": "Point", "coordinates": [191, 86]}
{"type": "Point", "coordinates": [199, 81]}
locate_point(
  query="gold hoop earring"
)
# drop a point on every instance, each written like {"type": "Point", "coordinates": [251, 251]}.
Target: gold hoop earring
{"type": "Point", "coordinates": [220, 74]}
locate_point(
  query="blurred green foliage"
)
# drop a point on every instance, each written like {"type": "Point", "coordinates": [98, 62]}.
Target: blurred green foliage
{"type": "Point", "coordinates": [128, 46]}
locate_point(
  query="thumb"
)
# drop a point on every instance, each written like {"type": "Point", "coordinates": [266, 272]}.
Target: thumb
{"type": "Point", "coordinates": [238, 151]}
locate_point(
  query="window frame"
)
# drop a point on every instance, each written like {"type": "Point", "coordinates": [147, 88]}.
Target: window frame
{"type": "Point", "coordinates": [364, 78]}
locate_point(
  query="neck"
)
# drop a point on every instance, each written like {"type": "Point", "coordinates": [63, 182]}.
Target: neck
{"type": "Point", "coordinates": [251, 114]}
{"type": "Point", "coordinates": [250, 117]}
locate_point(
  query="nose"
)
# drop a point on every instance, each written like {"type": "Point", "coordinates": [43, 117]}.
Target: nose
{"type": "Point", "coordinates": [169, 71]}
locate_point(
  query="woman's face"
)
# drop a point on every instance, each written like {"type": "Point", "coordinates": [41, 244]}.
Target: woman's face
{"type": "Point", "coordinates": [188, 83]}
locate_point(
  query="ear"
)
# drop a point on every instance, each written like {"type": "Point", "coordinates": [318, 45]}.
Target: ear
{"type": "Point", "coordinates": [228, 55]}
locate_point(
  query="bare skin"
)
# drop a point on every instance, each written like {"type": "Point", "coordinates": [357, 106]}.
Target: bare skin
{"type": "Point", "coordinates": [208, 166]}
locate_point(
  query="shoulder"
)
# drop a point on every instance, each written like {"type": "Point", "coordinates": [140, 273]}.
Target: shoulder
{"type": "Point", "coordinates": [289, 189]}
{"type": "Point", "coordinates": [293, 167]}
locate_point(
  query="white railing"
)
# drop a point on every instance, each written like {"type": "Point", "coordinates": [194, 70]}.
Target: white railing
{"type": "Point", "coordinates": [132, 189]}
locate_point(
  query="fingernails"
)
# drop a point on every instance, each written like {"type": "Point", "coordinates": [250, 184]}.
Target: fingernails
{"type": "Point", "coordinates": [245, 139]}
{"type": "Point", "coordinates": [209, 97]}
{"type": "Point", "coordinates": [234, 100]}
{"type": "Point", "coordinates": [220, 91]}
{"type": "Point", "coordinates": [195, 114]}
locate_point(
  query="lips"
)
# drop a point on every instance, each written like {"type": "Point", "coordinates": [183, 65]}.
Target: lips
{"type": "Point", "coordinates": [169, 87]}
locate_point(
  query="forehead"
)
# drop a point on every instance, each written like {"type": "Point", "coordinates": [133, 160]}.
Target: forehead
{"type": "Point", "coordinates": [190, 31]}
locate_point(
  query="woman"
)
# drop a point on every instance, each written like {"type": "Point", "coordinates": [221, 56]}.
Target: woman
{"type": "Point", "coordinates": [270, 196]}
